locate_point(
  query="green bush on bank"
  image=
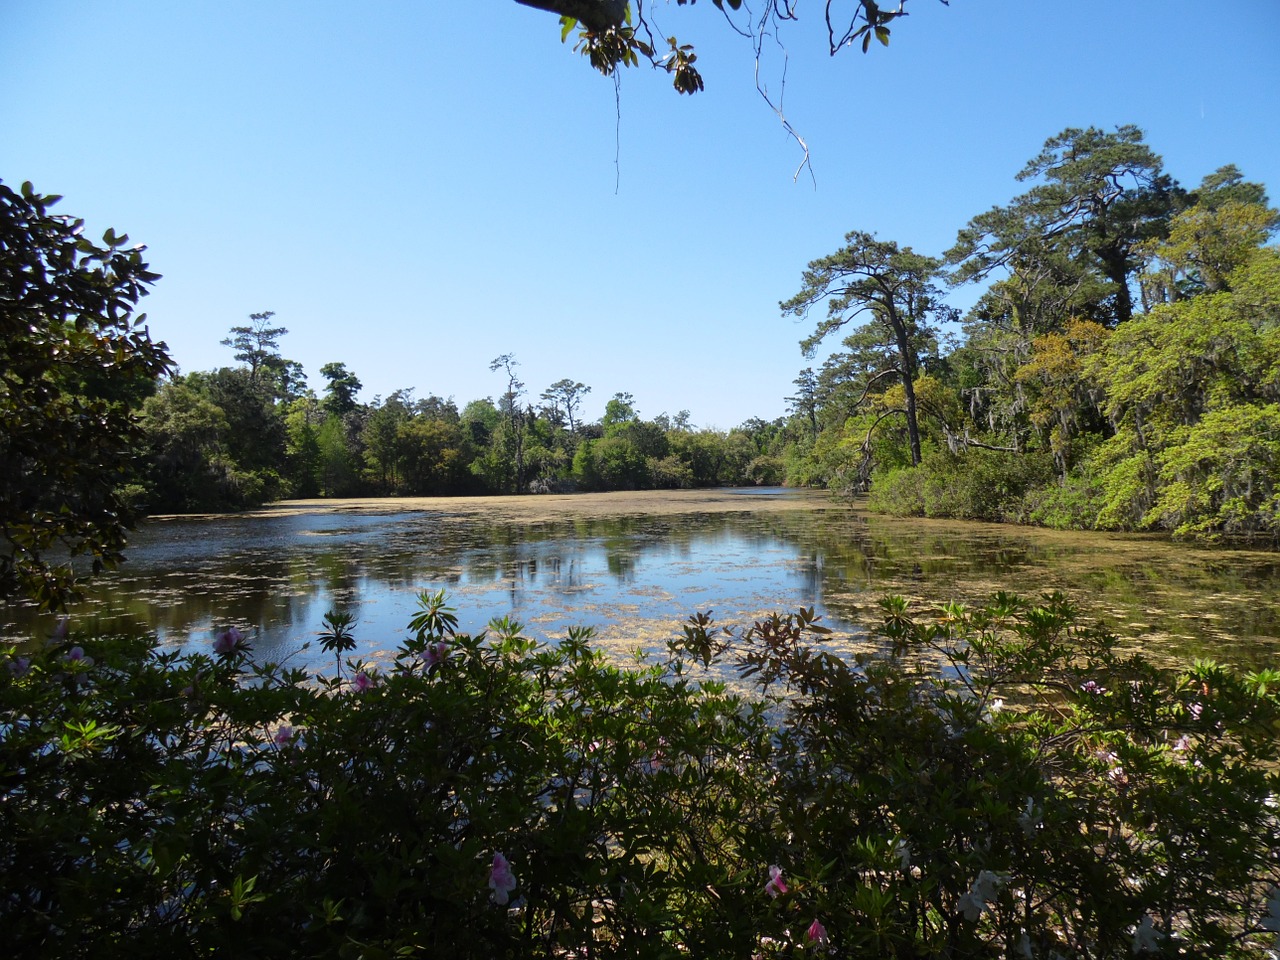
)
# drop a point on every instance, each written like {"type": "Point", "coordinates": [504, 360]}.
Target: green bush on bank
{"type": "Point", "coordinates": [990, 485]}
{"type": "Point", "coordinates": [987, 783]}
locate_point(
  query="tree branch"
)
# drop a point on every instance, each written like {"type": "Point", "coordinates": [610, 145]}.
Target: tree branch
{"type": "Point", "coordinates": [864, 467]}
{"type": "Point", "coordinates": [963, 442]}
{"type": "Point", "coordinates": [595, 15]}
{"type": "Point", "coordinates": [867, 389]}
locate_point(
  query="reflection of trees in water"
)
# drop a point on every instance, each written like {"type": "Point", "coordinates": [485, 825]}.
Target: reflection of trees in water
{"type": "Point", "coordinates": [202, 575]}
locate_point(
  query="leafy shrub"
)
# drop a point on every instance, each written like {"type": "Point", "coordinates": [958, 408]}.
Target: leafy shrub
{"type": "Point", "coordinates": [1005, 782]}
{"type": "Point", "coordinates": [977, 484]}
{"type": "Point", "coordinates": [989, 783]}
{"type": "Point", "coordinates": [166, 805]}
{"type": "Point", "coordinates": [766, 471]}
{"type": "Point", "coordinates": [1072, 504]}
{"type": "Point", "coordinates": [899, 492]}
{"type": "Point", "coordinates": [670, 473]}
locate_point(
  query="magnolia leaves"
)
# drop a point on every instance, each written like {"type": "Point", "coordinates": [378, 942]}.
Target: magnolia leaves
{"type": "Point", "coordinates": [624, 42]}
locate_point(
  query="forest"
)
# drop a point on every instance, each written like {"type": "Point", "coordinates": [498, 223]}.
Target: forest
{"type": "Point", "coordinates": [1119, 369]}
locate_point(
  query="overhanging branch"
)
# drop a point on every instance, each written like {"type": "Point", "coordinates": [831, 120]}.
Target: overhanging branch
{"type": "Point", "coordinates": [595, 15]}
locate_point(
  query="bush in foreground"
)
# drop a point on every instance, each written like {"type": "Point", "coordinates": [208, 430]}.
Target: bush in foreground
{"type": "Point", "coordinates": [990, 783]}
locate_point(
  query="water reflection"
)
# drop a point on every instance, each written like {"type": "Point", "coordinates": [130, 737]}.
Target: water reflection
{"type": "Point", "coordinates": [635, 578]}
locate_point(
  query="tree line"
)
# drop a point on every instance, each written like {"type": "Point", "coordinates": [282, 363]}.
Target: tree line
{"type": "Point", "coordinates": [1119, 370]}
{"type": "Point", "coordinates": [241, 435]}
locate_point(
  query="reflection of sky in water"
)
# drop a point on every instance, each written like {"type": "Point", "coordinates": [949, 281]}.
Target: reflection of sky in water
{"type": "Point", "coordinates": [638, 578]}
{"type": "Point", "coordinates": [278, 576]}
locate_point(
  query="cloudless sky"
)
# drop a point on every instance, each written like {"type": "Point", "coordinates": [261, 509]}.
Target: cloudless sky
{"type": "Point", "coordinates": [416, 187]}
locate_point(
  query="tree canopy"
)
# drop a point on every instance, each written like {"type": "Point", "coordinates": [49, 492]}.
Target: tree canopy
{"type": "Point", "coordinates": [1119, 370]}
{"type": "Point", "coordinates": [75, 362]}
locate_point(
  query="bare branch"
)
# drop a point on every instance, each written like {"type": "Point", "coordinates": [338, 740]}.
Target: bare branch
{"type": "Point", "coordinates": [963, 442]}
{"type": "Point", "coordinates": [867, 388]}
{"type": "Point", "coordinates": [758, 42]}
{"type": "Point", "coordinates": [866, 441]}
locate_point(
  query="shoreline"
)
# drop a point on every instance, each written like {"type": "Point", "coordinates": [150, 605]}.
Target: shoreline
{"type": "Point", "coordinates": [539, 507]}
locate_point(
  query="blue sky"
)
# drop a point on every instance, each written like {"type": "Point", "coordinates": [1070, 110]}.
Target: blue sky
{"type": "Point", "coordinates": [417, 187]}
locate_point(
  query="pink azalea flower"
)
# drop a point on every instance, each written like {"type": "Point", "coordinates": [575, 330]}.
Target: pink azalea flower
{"type": "Point", "coordinates": [776, 884]}
{"type": "Point", "coordinates": [816, 933]}
{"type": "Point", "coordinates": [363, 682]}
{"type": "Point", "coordinates": [1091, 686]}
{"type": "Point", "coordinates": [501, 880]}
{"type": "Point", "coordinates": [284, 735]}
{"type": "Point", "coordinates": [1196, 709]}
{"type": "Point", "coordinates": [1182, 743]}
{"type": "Point", "coordinates": [18, 666]}
{"type": "Point", "coordinates": [228, 642]}
{"type": "Point", "coordinates": [60, 630]}
{"type": "Point", "coordinates": [435, 654]}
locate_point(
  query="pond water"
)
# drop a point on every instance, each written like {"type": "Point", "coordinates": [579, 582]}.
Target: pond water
{"type": "Point", "coordinates": [635, 566]}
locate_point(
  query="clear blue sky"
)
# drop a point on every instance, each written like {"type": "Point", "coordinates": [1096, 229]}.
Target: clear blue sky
{"type": "Point", "coordinates": [416, 187]}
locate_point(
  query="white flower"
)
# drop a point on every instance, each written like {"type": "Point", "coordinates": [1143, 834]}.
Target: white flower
{"type": "Point", "coordinates": [1029, 818]}
{"type": "Point", "coordinates": [903, 851]}
{"type": "Point", "coordinates": [983, 890]}
{"type": "Point", "coordinates": [971, 906]}
{"type": "Point", "coordinates": [1146, 938]}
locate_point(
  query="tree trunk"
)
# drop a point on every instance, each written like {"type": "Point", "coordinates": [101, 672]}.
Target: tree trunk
{"type": "Point", "coordinates": [907, 355]}
{"type": "Point", "coordinates": [913, 426]}
{"type": "Point", "coordinates": [1116, 267]}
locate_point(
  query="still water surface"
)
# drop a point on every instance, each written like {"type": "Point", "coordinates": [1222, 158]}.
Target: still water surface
{"type": "Point", "coordinates": [635, 575]}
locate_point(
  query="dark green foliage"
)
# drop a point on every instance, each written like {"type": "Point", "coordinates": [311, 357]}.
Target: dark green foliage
{"type": "Point", "coordinates": [340, 394]}
{"type": "Point", "coordinates": [74, 363]}
{"type": "Point", "coordinates": [983, 783]}
{"type": "Point", "coordinates": [1096, 198]}
{"type": "Point", "coordinates": [257, 346]}
{"type": "Point", "coordinates": [245, 809]}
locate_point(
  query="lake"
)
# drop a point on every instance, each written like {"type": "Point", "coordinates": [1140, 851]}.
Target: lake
{"type": "Point", "coordinates": [635, 565]}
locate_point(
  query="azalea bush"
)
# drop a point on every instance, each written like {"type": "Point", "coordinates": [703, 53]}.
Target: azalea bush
{"type": "Point", "coordinates": [1007, 782]}
{"type": "Point", "coordinates": [986, 783]}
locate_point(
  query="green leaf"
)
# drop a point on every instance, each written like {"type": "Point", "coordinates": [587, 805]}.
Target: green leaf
{"type": "Point", "coordinates": [882, 34]}
{"type": "Point", "coordinates": [566, 27]}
